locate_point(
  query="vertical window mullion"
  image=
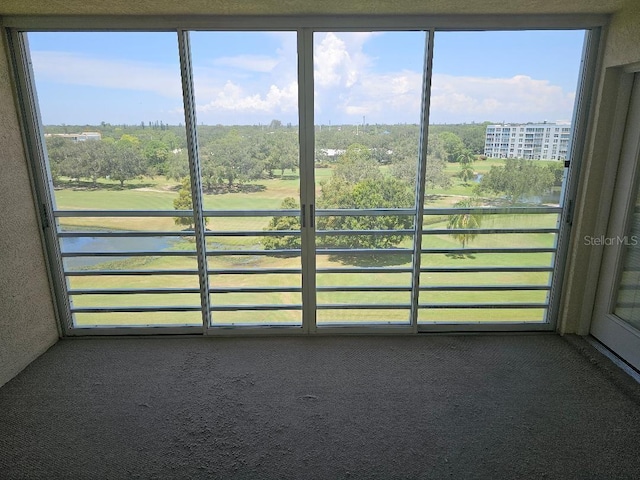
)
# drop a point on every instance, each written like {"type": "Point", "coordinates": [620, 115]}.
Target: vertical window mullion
{"type": "Point", "coordinates": [421, 180]}
{"type": "Point", "coordinates": [186, 71]}
{"type": "Point", "coordinates": [307, 175]}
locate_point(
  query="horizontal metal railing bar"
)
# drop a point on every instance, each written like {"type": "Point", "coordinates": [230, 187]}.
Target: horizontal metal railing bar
{"type": "Point", "coordinates": [158, 308]}
{"type": "Point", "coordinates": [364, 289]}
{"type": "Point", "coordinates": [362, 251]}
{"type": "Point", "coordinates": [482, 288]}
{"type": "Point", "coordinates": [364, 306]}
{"type": "Point", "coordinates": [252, 233]}
{"type": "Point", "coordinates": [454, 306]}
{"type": "Point", "coordinates": [319, 212]}
{"type": "Point", "coordinates": [487, 231]}
{"type": "Point", "coordinates": [123, 233]}
{"type": "Point", "coordinates": [488, 250]}
{"type": "Point", "coordinates": [493, 210]}
{"type": "Point", "coordinates": [233, 308]}
{"type": "Point", "coordinates": [365, 270]}
{"type": "Point", "coordinates": [321, 233]}
{"type": "Point", "coordinates": [131, 291]}
{"type": "Point", "coordinates": [122, 213]}
{"type": "Point", "coordinates": [364, 212]}
{"type": "Point", "coordinates": [256, 290]}
{"type": "Point", "coordinates": [99, 273]}
{"type": "Point", "coordinates": [271, 233]}
{"type": "Point", "coordinates": [217, 253]}
{"type": "Point", "coordinates": [130, 253]}
{"type": "Point", "coordinates": [254, 271]}
{"type": "Point", "coordinates": [484, 269]}
{"type": "Point", "coordinates": [250, 213]}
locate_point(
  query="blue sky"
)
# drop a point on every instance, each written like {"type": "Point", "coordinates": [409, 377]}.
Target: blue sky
{"type": "Point", "coordinates": [251, 77]}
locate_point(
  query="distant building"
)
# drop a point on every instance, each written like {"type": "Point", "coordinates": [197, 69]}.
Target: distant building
{"type": "Point", "coordinates": [531, 141]}
{"type": "Point", "coordinates": [331, 154]}
{"type": "Point", "coordinates": [77, 137]}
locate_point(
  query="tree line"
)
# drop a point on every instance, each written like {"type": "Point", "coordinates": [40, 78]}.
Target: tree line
{"type": "Point", "coordinates": [232, 155]}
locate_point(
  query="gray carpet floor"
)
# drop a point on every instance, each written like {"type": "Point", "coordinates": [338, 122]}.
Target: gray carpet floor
{"type": "Point", "coordinates": [462, 407]}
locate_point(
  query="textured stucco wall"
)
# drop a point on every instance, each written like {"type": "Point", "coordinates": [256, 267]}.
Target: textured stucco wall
{"type": "Point", "coordinates": [305, 7]}
{"type": "Point", "coordinates": [623, 42]}
{"type": "Point", "coordinates": [27, 321]}
{"type": "Point", "coordinates": [598, 174]}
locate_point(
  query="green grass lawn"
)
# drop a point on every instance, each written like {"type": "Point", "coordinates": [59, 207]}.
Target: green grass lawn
{"type": "Point", "coordinates": [159, 193]}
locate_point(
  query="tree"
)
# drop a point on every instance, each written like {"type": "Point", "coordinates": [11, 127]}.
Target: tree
{"type": "Point", "coordinates": [465, 157]}
{"type": "Point", "coordinates": [405, 168]}
{"type": "Point", "coordinates": [452, 145]}
{"type": "Point", "coordinates": [126, 161]}
{"type": "Point", "coordinates": [177, 166]}
{"type": "Point", "coordinates": [230, 159]}
{"type": "Point", "coordinates": [184, 202]}
{"type": "Point", "coordinates": [284, 223]}
{"type": "Point", "coordinates": [356, 165]}
{"type": "Point", "coordinates": [156, 154]}
{"type": "Point", "coordinates": [517, 179]}
{"type": "Point", "coordinates": [281, 152]}
{"type": "Point", "coordinates": [337, 193]}
{"type": "Point", "coordinates": [93, 159]}
{"type": "Point", "coordinates": [466, 173]}
{"type": "Point", "coordinates": [557, 169]}
{"type": "Point", "coordinates": [387, 192]}
{"type": "Point", "coordinates": [61, 152]}
{"type": "Point", "coordinates": [275, 124]}
{"type": "Point", "coordinates": [464, 221]}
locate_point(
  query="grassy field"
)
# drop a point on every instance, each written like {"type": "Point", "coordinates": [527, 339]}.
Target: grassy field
{"type": "Point", "coordinates": [158, 194]}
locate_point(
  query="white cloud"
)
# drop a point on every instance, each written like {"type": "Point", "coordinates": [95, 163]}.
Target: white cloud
{"type": "Point", "coordinates": [253, 63]}
{"type": "Point", "coordinates": [233, 97]}
{"type": "Point", "coordinates": [339, 60]}
{"type": "Point", "coordinates": [518, 98]}
{"type": "Point", "coordinates": [396, 93]}
{"type": "Point", "coordinates": [78, 69]}
{"type": "Point", "coordinates": [349, 84]}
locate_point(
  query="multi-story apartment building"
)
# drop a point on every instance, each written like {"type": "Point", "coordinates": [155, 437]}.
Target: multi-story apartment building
{"type": "Point", "coordinates": [531, 141]}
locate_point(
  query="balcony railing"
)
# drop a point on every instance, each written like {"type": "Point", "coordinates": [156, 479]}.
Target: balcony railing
{"type": "Point", "coordinates": [498, 271]}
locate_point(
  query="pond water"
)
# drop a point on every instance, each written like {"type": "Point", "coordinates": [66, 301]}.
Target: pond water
{"type": "Point", "coordinates": [111, 244]}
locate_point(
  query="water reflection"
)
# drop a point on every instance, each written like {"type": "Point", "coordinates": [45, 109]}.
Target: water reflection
{"type": "Point", "coordinates": [111, 244]}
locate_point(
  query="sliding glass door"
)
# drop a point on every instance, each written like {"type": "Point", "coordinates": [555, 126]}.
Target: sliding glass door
{"type": "Point", "coordinates": [246, 103]}
{"type": "Point", "coordinates": [368, 104]}
{"type": "Point", "coordinates": [118, 178]}
{"type": "Point", "coordinates": [307, 178]}
{"type": "Point", "coordinates": [494, 200]}
{"type": "Point", "coordinates": [616, 316]}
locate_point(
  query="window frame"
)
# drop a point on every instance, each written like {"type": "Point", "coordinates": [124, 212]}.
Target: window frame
{"type": "Point", "coordinates": [16, 27]}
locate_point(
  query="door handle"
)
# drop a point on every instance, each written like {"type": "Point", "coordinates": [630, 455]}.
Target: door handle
{"type": "Point", "coordinates": [303, 214]}
{"type": "Point", "coordinates": [312, 216]}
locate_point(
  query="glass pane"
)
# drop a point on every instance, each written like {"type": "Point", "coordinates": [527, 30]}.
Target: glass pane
{"type": "Point", "coordinates": [628, 302]}
{"type": "Point", "coordinates": [136, 319]}
{"type": "Point", "coordinates": [246, 95]}
{"type": "Point", "coordinates": [368, 93]}
{"type": "Point", "coordinates": [498, 137]}
{"type": "Point", "coordinates": [111, 106]}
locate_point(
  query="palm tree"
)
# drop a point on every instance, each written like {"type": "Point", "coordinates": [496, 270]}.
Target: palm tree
{"type": "Point", "coordinates": [464, 221]}
{"type": "Point", "coordinates": [466, 157]}
{"type": "Point", "coordinates": [466, 173]}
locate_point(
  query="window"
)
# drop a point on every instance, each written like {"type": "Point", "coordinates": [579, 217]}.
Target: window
{"type": "Point", "coordinates": [205, 180]}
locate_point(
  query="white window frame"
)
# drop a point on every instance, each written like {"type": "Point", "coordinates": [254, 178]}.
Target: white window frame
{"type": "Point", "coordinates": [15, 26]}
